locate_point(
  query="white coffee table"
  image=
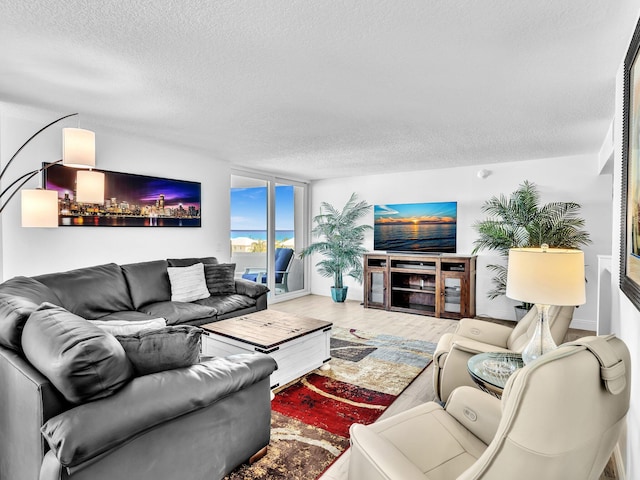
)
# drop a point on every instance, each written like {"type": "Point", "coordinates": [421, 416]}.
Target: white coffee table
{"type": "Point", "coordinates": [298, 344]}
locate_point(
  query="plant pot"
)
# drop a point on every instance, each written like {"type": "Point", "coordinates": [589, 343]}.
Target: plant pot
{"type": "Point", "coordinates": [521, 311]}
{"type": "Point", "coordinates": [339, 294]}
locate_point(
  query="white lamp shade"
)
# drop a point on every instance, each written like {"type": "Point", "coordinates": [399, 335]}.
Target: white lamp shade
{"type": "Point", "coordinates": [90, 187]}
{"type": "Point", "coordinates": [39, 208]}
{"type": "Point", "coordinates": [78, 148]}
{"type": "Point", "coordinates": [553, 276]}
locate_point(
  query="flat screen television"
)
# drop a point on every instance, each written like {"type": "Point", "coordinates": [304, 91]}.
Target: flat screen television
{"type": "Point", "coordinates": [415, 227]}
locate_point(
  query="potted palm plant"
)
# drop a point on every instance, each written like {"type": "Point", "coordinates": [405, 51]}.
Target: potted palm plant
{"type": "Point", "coordinates": [520, 221]}
{"type": "Point", "coordinates": [340, 243]}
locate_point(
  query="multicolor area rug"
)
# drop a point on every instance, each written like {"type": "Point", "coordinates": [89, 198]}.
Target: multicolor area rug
{"type": "Point", "coordinates": [311, 417]}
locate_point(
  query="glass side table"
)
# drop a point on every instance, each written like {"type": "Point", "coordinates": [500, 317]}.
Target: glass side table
{"type": "Point", "coordinates": [491, 370]}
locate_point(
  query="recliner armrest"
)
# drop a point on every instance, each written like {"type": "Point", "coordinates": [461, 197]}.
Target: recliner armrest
{"type": "Point", "coordinates": [484, 331]}
{"type": "Point", "coordinates": [473, 347]}
{"type": "Point", "coordinates": [476, 410]}
{"type": "Point", "coordinates": [89, 430]}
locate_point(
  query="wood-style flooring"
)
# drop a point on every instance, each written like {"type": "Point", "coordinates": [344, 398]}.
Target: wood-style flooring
{"type": "Point", "coordinates": [351, 314]}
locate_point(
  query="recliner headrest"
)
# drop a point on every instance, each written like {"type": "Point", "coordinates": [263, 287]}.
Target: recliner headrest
{"type": "Point", "coordinates": [612, 368]}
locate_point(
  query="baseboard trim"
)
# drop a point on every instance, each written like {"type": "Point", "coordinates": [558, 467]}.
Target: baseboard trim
{"type": "Point", "coordinates": [581, 324]}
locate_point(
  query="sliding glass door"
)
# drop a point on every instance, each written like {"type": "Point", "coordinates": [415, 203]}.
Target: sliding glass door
{"type": "Point", "coordinates": [268, 218]}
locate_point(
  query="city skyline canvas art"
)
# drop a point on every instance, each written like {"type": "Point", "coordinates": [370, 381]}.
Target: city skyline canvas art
{"type": "Point", "coordinates": [130, 200]}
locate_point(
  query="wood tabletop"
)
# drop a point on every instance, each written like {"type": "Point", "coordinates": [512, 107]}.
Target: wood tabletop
{"type": "Point", "coordinates": [266, 328]}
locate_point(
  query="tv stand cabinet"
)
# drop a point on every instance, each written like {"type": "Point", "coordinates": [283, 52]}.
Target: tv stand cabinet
{"type": "Point", "coordinates": [441, 285]}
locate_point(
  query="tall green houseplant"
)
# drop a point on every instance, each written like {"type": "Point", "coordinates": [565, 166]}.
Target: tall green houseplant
{"type": "Point", "coordinates": [341, 243]}
{"type": "Point", "coordinates": [520, 221]}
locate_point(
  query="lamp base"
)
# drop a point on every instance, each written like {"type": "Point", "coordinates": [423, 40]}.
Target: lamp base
{"type": "Point", "coordinates": [542, 341]}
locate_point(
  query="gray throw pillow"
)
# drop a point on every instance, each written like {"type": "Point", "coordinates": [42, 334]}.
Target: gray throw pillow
{"type": "Point", "coordinates": [82, 361]}
{"type": "Point", "coordinates": [220, 278]}
{"type": "Point", "coordinates": [167, 348]}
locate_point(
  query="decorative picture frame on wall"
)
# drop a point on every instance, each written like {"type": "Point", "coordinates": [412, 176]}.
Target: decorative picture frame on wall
{"type": "Point", "coordinates": [630, 221]}
{"type": "Point", "coordinates": [130, 200]}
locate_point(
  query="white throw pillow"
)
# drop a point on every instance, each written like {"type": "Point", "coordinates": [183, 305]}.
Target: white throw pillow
{"type": "Point", "coordinates": [188, 283]}
{"type": "Point", "coordinates": [127, 327]}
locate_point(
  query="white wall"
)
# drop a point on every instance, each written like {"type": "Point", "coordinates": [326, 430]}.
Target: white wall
{"type": "Point", "coordinates": [558, 179]}
{"type": "Point", "coordinates": [28, 251]}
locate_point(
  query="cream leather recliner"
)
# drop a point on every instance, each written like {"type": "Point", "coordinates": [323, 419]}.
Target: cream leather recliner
{"type": "Point", "coordinates": [559, 419]}
{"type": "Point", "coordinates": [475, 336]}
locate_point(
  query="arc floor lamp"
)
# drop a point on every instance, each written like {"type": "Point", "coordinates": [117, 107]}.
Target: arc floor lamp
{"type": "Point", "coordinates": [40, 206]}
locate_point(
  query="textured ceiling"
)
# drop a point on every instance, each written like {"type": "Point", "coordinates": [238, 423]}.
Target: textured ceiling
{"type": "Point", "coordinates": [320, 89]}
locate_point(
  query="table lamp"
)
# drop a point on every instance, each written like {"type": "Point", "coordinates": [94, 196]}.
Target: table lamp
{"type": "Point", "coordinates": [545, 276]}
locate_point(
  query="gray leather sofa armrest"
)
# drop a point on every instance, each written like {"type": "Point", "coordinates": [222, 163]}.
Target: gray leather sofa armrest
{"type": "Point", "coordinates": [92, 429]}
{"type": "Point", "coordinates": [476, 410]}
{"type": "Point", "coordinates": [249, 288]}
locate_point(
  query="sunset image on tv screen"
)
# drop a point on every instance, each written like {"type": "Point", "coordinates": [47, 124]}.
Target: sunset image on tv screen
{"type": "Point", "coordinates": [416, 227]}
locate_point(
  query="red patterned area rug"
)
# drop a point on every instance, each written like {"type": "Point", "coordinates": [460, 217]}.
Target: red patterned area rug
{"type": "Point", "coordinates": [311, 417]}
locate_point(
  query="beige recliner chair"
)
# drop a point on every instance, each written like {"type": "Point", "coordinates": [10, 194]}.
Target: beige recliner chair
{"type": "Point", "coordinates": [475, 336]}
{"type": "Point", "coordinates": [559, 419]}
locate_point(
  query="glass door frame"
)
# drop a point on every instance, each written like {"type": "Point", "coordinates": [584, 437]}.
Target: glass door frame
{"type": "Point", "coordinates": [272, 181]}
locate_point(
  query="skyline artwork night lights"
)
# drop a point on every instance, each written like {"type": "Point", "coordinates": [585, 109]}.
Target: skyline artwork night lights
{"type": "Point", "coordinates": [130, 200]}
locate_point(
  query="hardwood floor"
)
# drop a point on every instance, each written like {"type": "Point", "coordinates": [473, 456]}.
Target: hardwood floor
{"type": "Point", "coordinates": [351, 314]}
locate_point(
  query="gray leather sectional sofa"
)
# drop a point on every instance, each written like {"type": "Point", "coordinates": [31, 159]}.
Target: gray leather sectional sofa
{"type": "Point", "coordinates": [195, 422]}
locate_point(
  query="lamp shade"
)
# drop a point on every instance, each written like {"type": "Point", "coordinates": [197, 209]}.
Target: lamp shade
{"type": "Point", "coordinates": [548, 276]}
{"type": "Point", "coordinates": [90, 187]}
{"type": "Point", "coordinates": [39, 208]}
{"type": "Point", "coordinates": [78, 148]}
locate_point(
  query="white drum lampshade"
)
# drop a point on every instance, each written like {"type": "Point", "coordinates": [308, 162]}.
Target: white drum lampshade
{"type": "Point", "coordinates": [545, 276]}
{"type": "Point", "coordinates": [90, 187]}
{"type": "Point", "coordinates": [548, 276]}
{"type": "Point", "coordinates": [39, 208]}
{"type": "Point", "coordinates": [78, 148]}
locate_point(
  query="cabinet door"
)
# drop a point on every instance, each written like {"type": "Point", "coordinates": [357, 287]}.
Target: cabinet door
{"type": "Point", "coordinates": [453, 290]}
{"type": "Point", "coordinates": [376, 288]}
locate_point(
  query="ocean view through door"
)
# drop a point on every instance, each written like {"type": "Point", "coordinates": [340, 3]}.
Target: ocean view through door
{"type": "Point", "coordinates": [267, 232]}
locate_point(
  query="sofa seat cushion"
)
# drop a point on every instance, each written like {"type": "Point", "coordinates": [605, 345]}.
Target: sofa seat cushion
{"type": "Point", "coordinates": [82, 361]}
{"type": "Point", "coordinates": [179, 312]}
{"type": "Point", "coordinates": [128, 327]}
{"type": "Point", "coordinates": [151, 351]}
{"type": "Point", "coordinates": [148, 282]}
{"type": "Point", "coordinates": [91, 292]}
{"type": "Point", "coordinates": [224, 304]}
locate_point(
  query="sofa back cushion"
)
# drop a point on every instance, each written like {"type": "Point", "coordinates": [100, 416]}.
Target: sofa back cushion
{"type": "Point", "coordinates": [31, 289]}
{"type": "Point", "coordinates": [187, 262]}
{"type": "Point", "coordinates": [148, 282]}
{"type": "Point", "coordinates": [91, 292]}
{"type": "Point", "coordinates": [82, 361]}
